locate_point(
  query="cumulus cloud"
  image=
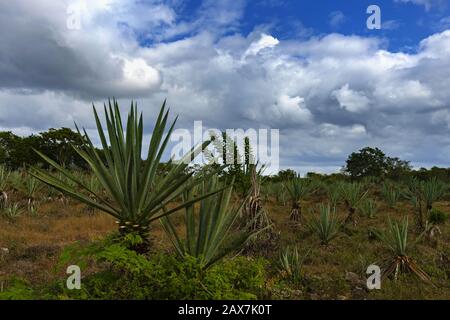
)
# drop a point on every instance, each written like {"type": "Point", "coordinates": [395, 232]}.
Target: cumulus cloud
{"type": "Point", "coordinates": [351, 100]}
{"type": "Point", "coordinates": [329, 95]}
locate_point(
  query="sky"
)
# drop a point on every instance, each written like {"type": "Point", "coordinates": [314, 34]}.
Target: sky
{"type": "Point", "coordinates": [311, 69]}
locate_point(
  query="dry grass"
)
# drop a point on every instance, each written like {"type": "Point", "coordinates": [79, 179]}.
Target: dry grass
{"type": "Point", "coordinates": [34, 244]}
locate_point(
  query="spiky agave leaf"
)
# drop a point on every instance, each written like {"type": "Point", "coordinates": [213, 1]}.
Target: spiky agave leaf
{"type": "Point", "coordinates": [326, 225]}
{"type": "Point", "coordinates": [290, 263]}
{"type": "Point", "coordinates": [208, 228]}
{"type": "Point", "coordinates": [133, 195]}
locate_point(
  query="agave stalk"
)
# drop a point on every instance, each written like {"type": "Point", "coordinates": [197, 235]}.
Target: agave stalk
{"type": "Point", "coordinates": [297, 188]}
{"type": "Point", "coordinates": [326, 226]}
{"type": "Point", "coordinates": [390, 194]}
{"type": "Point", "coordinates": [396, 239]}
{"type": "Point", "coordinates": [353, 194]}
{"type": "Point", "coordinates": [253, 209]}
{"type": "Point", "coordinates": [4, 176]}
{"type": "Point", "coordinates": [208, 227]}
{"type": "Point", "coordinates": [133, 195]}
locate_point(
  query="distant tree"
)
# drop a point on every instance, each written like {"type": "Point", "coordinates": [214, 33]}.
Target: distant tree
{"type": "Point", "coordinates": [288, 174]}
{"type": "Point", "coordinates": [397, 168]}
{"type": "Point", "coordinates": [59, 144]}
{"type": "Point", "coordinates": [372, 162]}
{"type": "Point", "coordinates": [17, 152]}
{"type": "Point", "coordinates": [366, 162]}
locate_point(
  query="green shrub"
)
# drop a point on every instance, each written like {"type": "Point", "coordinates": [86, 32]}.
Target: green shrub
{"type": "Point", "coordinates": [128, 275]}
{"type": "Point", "coordinates": [437, 217]}
{"type": "Point", "coordinates": [17, 289]}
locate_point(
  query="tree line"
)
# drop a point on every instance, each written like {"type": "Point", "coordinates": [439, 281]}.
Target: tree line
{"type": "Point", "coordinates": [18, 152]}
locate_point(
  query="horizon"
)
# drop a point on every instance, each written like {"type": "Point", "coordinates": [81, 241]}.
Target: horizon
{"type": "Point", "coordinates": [327, 82]}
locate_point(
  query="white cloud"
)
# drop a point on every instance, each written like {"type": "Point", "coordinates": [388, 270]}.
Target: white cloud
{"type": "Point", "coordinates": [350, 100]}
{"type": "Point", "coordinates": [266, 41]}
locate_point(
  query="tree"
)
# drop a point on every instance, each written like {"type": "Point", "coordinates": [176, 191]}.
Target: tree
{"type": "Point", "coordinates": [59, 143]}
{"type": "Point", "coordinates": [372, 162]}
{"type": "Point", "coordinates": [287, 174]}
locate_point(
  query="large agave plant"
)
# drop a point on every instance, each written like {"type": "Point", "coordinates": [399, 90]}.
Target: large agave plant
{"type": "Point", "coordinates": [209, 232]}
{"type": "Point", "coordinates": [297, 188]}
{"type": "Point", "coordinates": [396, 239]}
{"type": "Point", "coordinates": [133, 194]}
{"type": "Point", "coordinates": [326, 225]}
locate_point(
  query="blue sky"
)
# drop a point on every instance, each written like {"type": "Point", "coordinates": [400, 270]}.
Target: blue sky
{"type": "Point", "coordinates": [405, 23]}
{"type": "Point", "coordinates": [310, 69]}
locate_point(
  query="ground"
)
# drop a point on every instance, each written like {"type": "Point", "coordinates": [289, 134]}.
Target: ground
{"type": "Point", "coordinates": [30, 247]}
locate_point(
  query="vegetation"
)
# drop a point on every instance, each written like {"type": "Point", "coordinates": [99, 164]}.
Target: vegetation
{"type": "Point", "coordinates": [353, 194]}
{"type": "Point", "coordinates": [52, 209]}
{"type": "Point", "coordinates": [134, 195]}
{"type": "Point", "coordinates": [291, 264]}
{"type": "Point", "coordinates": [297, 188]}
{"type": "Point", "coordinates": [326, 225]}
{"type": "Point", "coordinates": [372, 162]}
{"type": "Point", "coordinates": [396, 239]}
{"type": "Point", "coordinates": [208, 238]}
{"type": "Point", "coordinates": [391, 194]}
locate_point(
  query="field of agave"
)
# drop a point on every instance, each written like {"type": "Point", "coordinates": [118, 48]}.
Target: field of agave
{"type": "Point", "coordinates": [139, 232]}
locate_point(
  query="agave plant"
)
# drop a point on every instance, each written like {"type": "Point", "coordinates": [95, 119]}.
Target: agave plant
{"type": "Point", "coordinates": [368, 207]}
{"type": "Point", "coordinates": [391, 194]}
{"type": "Point", "coordinates": [278, 190]}
{"type": "Point", "coordinates": [298, 189]}
{"type": "Point", "coordinates": [326, 225]}
{"type": "Point", "coordinates": [291, 264]}
{"type": "Point", "coordinates": [396, 239]}
{"type": "Point", "coordinates": [132, 194]}
{"type": "Point", "coordinates": [353, 194]}
{"type": "Point", "coordinates": [209, 232]}
{"type": "Point", "coordinates": [333, 193]}
{"type": "Point", "coordinates": [12, 210]}
{"type": "Point", "coordinates": [422, 195]}
{"type": "Point", "coordinates": [32, 186]}
{"type": "Point", "coordinates": [253, 209]}
{"type": "Point", "coordinates": [433, 190]}
{"type": "Point", "coordinates": [4, 176]}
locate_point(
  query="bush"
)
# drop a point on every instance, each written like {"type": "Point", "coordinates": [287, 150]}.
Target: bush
{"type": "Point", "coordinates": [437, 217]}
{"type": "Point", "coordinates": [17, 289]}
{"type": "Point", "coordinates": [126, 274]}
